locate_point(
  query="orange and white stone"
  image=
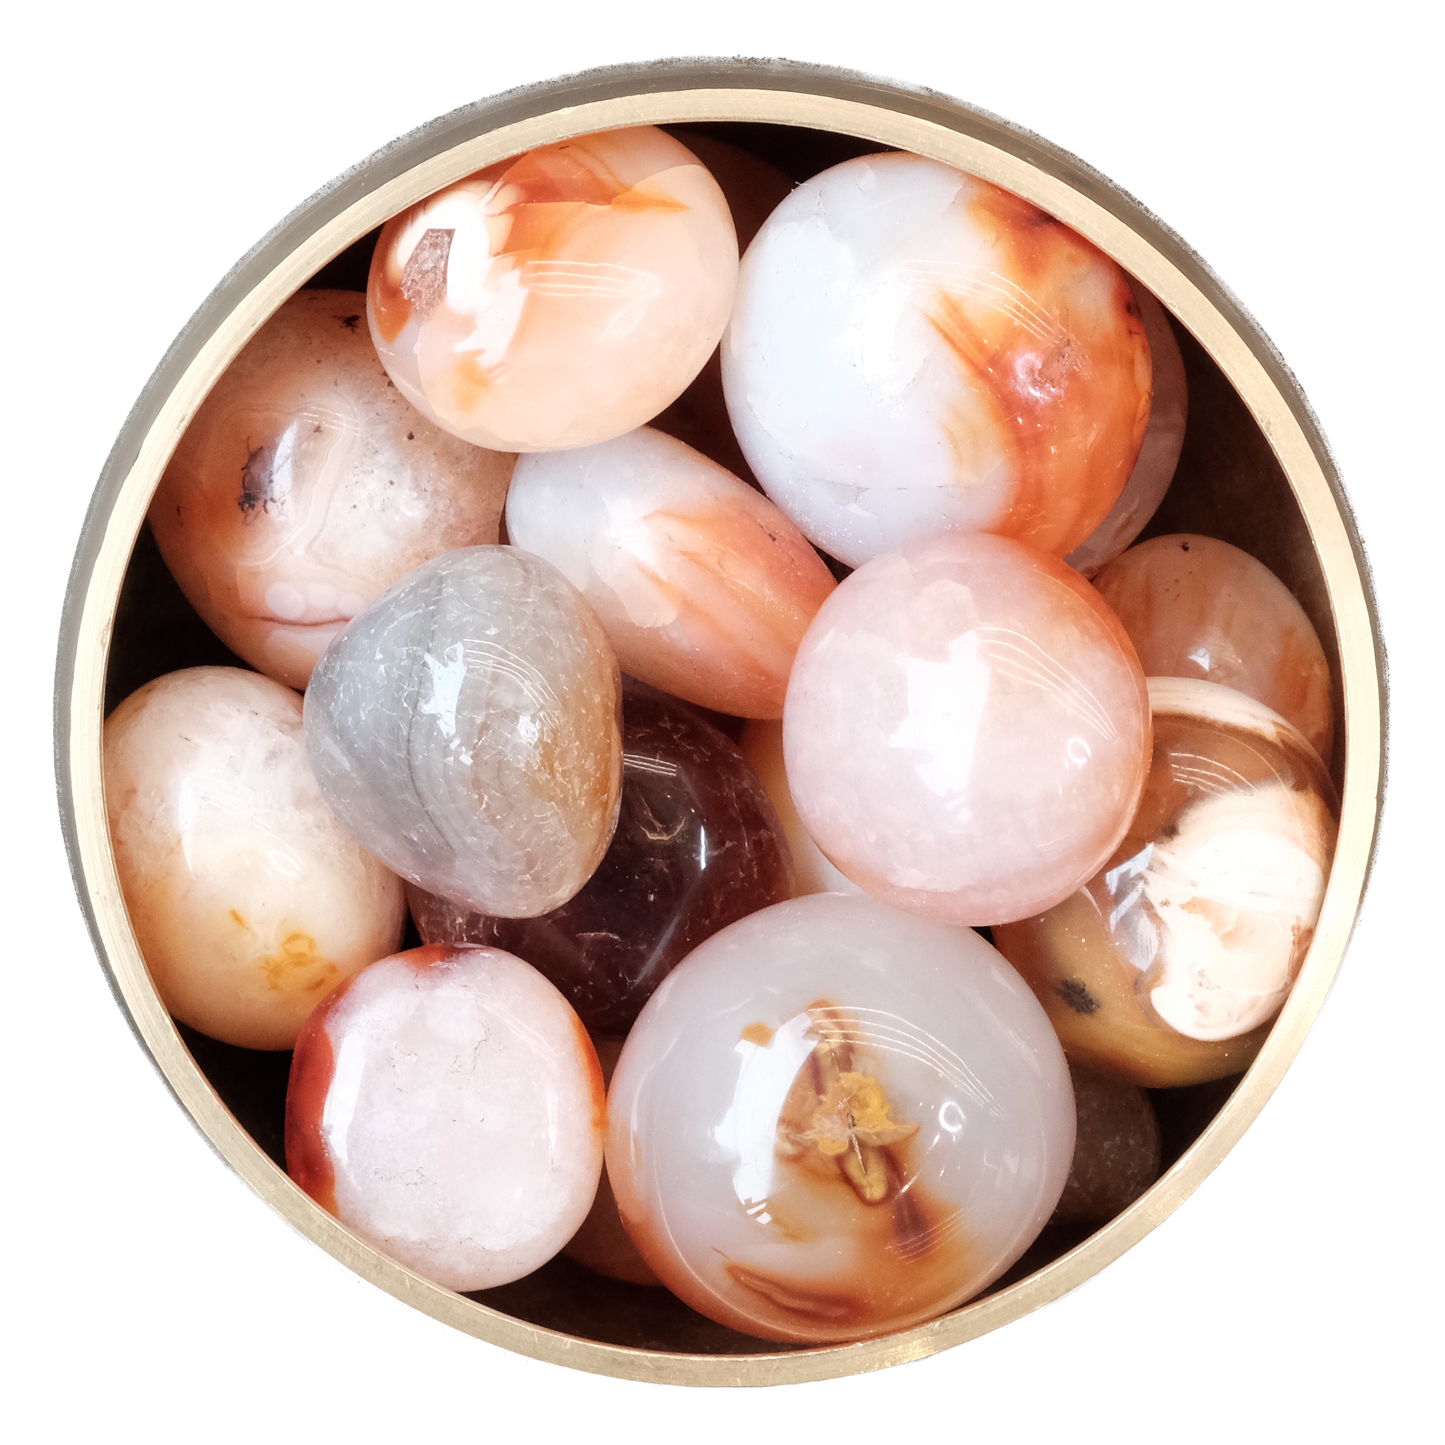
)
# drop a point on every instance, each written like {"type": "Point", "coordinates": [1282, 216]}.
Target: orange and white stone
{"type": "Point", "coordinates": [1167, 967]}
{"type": "Point", "coordinates": [1197, 607]}
{"type": "Point", "coordinates": [559, 298]}
{"type": "Point", "coordinates": [915, 351]}
{"type": "Point", "coordinates": [306, 485]}
{"type": "Point", "coordinates": [249, 900]}
{"type": "Point", "coordinates": [704, 587]}
{"type": "Point", "coordinates": [1159, 452]}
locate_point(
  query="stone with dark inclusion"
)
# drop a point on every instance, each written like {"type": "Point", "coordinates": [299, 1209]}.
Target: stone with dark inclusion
{"type": "Point", "coordinates": [698, 846]}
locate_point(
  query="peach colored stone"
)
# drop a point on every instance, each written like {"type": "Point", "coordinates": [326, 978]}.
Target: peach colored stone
{"type": "Point", "coordinates": [559, 298]}
{"type": "Point", "coordinates": [915, 351]}
{"type": "Point", "coordinates": [704, 587]}
{"type": "Point", "coordinates": [248, 898]}
{"type": "Point", "coordinates": [1197, 607]}
{"type": "Point", "coordinates": [967, 729]}
{"type": "Point", "coordinates": [306, 485]}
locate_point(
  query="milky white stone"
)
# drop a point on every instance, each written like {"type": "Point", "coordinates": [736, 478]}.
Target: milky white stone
{"type": "Point", "coordinates": [448, 1107]}
{"type": "Point", "coordinates": [248, 898]}
{"type": "Point", "coordinates": [834, 1120]}
{"type": "Point", "coordinates": [967, 729]}
{"type": "Point", "coordinates": [704, 587]}
{"type": "Point", "coordinates": [1159, 452]}
{"type": "Point", "coordinates": [915, 351]}
{"type": "Point", "coordinates": [306, 485]}
{"type": "Point", "coordinates": [466, 727]}
{"type": "Point", "coordinates": [559, 298]}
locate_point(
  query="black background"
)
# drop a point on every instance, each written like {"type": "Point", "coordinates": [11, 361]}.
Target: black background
{"type": "Point", "coordinates": [178, 165]}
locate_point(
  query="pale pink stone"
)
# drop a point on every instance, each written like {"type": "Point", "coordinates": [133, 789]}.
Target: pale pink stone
{"type": "Point", "coordinates": [306, 486]}
{"type": "Point", "coordinates": [967, 729]}
{"type": "Point", "coordinates": [558, 298]}
{"type": "Point", "coordinates": [704, 587]}
{"type": "Point", "coordinates": [249, 900]}
{"type": "Point", "coordinates": [1197, 607]}
{"type": "Point", "coordinates": [447, 1106]}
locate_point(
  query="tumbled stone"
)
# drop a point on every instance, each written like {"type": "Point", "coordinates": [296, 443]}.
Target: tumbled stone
{"type": "Point", "coordinates": [1116, 1149]}
{"type": "Point", "coordinates": [447, 1105]}
{"type": "Point", "coordinates": [465, 728]}
{"type": "Point", "coordinates": [248, 898]}
{"type": "Point", "coordinates": [1167, 967]}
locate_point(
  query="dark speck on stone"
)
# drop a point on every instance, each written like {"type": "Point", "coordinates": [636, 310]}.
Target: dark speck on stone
{"type": "Point", "coordinates": [1078, 998]}
{"type": "Point", "coordinates": [411, 436]}
{"type": "Point", "coordinates": [349, 322]}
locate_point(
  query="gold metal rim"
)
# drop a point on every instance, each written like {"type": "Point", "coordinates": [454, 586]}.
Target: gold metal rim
{"type": "Point", "coordinates": [705, 90]}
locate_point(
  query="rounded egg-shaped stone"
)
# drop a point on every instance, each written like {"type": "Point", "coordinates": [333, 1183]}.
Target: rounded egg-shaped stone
{"type": "Point", "coordinates": [833, 1121]}
{"type": "Point", "coordinates": [967, 729]}
{"type": "Point", "coordinates": [306, 485]}
{"type": "Point", "coordinates": [558, 298]}
{"type": "Point", "coordinates": [914, 351]}
{"type": "Point", "coordinates": [465, 727]}
{"type": "Point", "coordinates": [447, 1105]}
{"type": "Point", "coordinates": [704, 586]}
{"type": "Point", "coordinates": [248, 898]}
{"type": "Point", "coordinates": [1167, 967]}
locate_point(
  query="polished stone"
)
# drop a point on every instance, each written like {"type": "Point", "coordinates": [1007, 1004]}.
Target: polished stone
{"type": "Point", "coordinates": [465, 728]}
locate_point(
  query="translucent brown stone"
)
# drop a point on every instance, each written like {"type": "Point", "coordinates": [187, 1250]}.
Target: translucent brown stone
{"type": "Point", "coordinates": [697, 847]}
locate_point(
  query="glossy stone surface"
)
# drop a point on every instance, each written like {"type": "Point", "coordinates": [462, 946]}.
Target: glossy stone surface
{"type": "Point", "coordinates": [967, 729]}
{"type": "Point", "coordinates": [248, 898]}
{"type": "Point", "coordinates": [1116, 1149]}
{"type": "Point", "coordinates": [697, 846]}
{"type": "Point", "coordinates": [447, 1105]}
{"type": "Point", "coordinates": [1159, 452]}
{"type": "Point", "coordinates": [1197, 607]}
{"type": "Point", "coordinates": [833, 1121]}
{"type": "Point", "coordinates": [762, 745]}
{"type": "Point", "coordinates": [1167, 967]}
{"type": "Point", "coordinates": [915, 351]}
{"type": "Point", "coordinates": [306, 485]}
{"type": "Point", "coordinates": [704, 586]}
{"type": "Point", "coordinates": [559, 298]}
{"type": "Point", "coordinates": [465, 727]}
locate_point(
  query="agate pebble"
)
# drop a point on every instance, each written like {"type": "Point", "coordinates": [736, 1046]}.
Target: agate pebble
{"type": "Point", "coordinates": [967, 729]}
{"type": "Point", "coordinates": [916, 351]}
{"type": "Point", "coordinates": [447, 1105]}
{"type": "Point", "coordinates": [559, 298]}
{"type": "Point", "coordinates": [834, 1120]}
{"type": "Point", "coordinates": [306, 486]}
{"type": "Point", "coordinates": [1167, 967]}
{"type": "Point", "coordinates": [1116, 1151]}
{"type": "Point", "coordinates": [249, 900]}
{"type": "Point", "coordinates": [466, 726]}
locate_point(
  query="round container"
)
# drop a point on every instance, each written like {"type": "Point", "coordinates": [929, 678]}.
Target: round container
{"type": "Point", "coordinates": [1255, 472]}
